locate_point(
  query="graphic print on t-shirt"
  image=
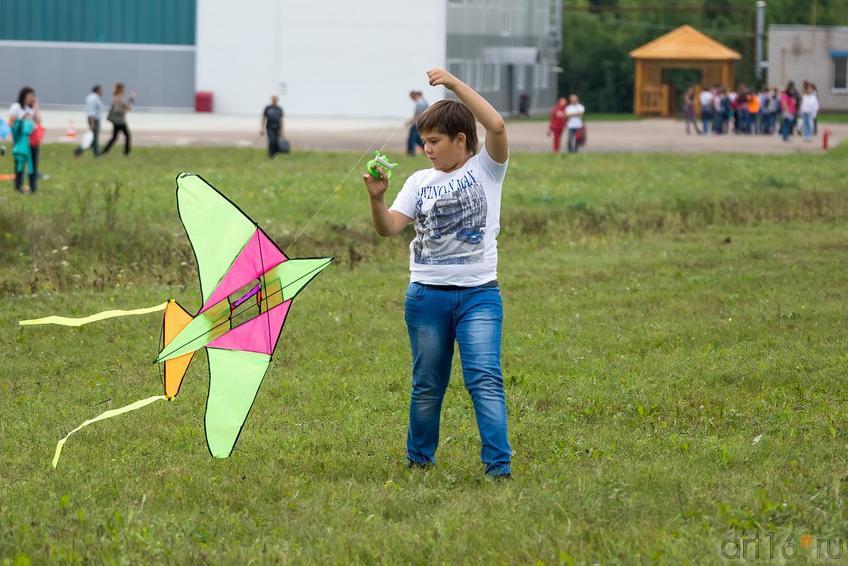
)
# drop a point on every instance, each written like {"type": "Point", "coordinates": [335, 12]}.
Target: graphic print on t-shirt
{"type": "Point", "coordinates": [450, 220]}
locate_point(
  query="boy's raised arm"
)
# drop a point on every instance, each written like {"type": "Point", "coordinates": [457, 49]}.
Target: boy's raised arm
{"type": "Point", "coordinates": [496, 140]}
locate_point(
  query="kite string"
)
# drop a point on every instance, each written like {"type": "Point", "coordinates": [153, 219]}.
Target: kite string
{"type": "Point", "coordinates": [338, 187]}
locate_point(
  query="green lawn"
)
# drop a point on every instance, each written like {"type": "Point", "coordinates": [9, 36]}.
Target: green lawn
{"type": "Point", "coordinates": [674, 359]}
{"type": "Point", "coordinates": [833, 117]}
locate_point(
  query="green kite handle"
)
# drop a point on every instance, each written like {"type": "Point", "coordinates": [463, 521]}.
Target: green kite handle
{"type": "Point", "coordinates": [380, 160]}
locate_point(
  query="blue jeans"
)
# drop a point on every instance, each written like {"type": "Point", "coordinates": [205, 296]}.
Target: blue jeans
{"type": "Point", "coordinates": [413, 141]}
{"type": "Point", "coordinates": [786, 128]}
{"type": "Point", "coordinates": [572, 140]}
{"type": "Point", "coordinates": [706, 120]}
{"type": "Point", "coordinates": [472, 318]}
{"type": "Point", "coordinates": [808, 125]}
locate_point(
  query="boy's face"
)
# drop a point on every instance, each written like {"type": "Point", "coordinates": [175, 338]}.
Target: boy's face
{"type": "Point", "coordinates": [445, 154]}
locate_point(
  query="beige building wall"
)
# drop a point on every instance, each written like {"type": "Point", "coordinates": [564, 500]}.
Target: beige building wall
{"type": "Point", "coordinates": [809, 53]}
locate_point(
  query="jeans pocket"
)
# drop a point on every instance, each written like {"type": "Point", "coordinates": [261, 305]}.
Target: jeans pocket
{"type": "Point", "coordinates": [414, 292]}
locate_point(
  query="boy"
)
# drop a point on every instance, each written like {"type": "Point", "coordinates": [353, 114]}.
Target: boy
{"type": "Point", "coordinates": [453, 295]}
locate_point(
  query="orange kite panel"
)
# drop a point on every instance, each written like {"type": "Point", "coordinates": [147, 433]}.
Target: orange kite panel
{"type": "Point", "coordinates": [176, 318]}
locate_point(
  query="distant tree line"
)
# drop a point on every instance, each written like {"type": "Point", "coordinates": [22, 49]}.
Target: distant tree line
{"type": "Point", "coordinates": [599, 34]}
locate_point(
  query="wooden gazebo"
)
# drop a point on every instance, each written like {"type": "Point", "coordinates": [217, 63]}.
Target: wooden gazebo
{"type": "Point", "coordinates": [682, 48]}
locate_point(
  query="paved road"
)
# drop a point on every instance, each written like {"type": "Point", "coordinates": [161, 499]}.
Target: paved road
{"type": "Point", "coordinates": [649, 135]}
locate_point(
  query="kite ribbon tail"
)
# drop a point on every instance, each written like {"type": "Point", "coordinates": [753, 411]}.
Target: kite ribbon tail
{"type": "Point", "coordinates": [67, 321]}
{"type": "Point", "coordinates": [103, 416]}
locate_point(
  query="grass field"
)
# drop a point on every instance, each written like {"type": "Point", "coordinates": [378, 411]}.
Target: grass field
{"type": "Point", "coordinates": [833, 117]}
{"type": "Point", "coordinates": [674, 357]}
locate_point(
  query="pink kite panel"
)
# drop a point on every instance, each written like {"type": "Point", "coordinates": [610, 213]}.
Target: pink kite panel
{"type": "Point", "coordinates": [258, 256]}
{"type": "Point", "coordinates": [253, 335]}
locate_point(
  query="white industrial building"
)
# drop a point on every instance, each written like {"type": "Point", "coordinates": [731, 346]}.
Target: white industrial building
{"type": "Point", "coordinates": [362, 58]}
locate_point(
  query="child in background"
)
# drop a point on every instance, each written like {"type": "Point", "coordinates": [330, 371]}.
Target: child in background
{"type": "Point", "coordinates": [24, 118]}
{"type": "Point", "coordinates": [557, 124]}
{"type": "Point", "coordinates": [453, 296]}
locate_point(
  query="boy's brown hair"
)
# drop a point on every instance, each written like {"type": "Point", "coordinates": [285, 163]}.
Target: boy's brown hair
{"type": "Point", "coordinates": [450, 118]}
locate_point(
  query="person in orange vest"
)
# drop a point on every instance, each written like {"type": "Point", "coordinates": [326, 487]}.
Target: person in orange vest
{"type": "Point", "coordinates": [753, 113]}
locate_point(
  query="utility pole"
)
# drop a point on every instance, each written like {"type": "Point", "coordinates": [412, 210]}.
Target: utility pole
{"type": "Point", "coordinates": [759, 64]}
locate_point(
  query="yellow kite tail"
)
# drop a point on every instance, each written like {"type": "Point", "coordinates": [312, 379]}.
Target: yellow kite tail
{"type": "Point", "coordinates": [103, 416]}
{"type": "Point", "coordinates": [66, 321]}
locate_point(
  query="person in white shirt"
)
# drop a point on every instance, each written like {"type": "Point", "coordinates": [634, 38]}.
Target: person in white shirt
{"type": "Point", "coordinates": [706, 100]}
{"type": "Point", "coordinates": [453, 295]}
{"type": "Point", "coordinates": [93, 113]}
{"type": "Point", "coordinates": [809, 110]}
{"type": "Point", "coordinates": [574, 122]}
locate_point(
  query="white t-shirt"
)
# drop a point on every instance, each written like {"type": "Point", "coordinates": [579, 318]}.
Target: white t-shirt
{"type": "Point", "coordinates": [810, 104]}
{"type": "Point", "coordinates": [17, 111]}
{"type": "Point", "coordinates": [457, 220]}
{"type": "Point", "coordinates": [574, 121]}
{"type": "Point", "coordinates": [706, 97]}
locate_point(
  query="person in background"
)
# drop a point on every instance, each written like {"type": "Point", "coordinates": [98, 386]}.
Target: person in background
{"type": "Point", "coordinates": [796, 127]}
{"type": "Point", "coordinates": [753, 113]}
{"type": "Point", "coordinates": [809, 110]}
{"type": "Point", "coordinates": [754, 118]}
{"type": "Point", "coordinates": [707, 109]}
{"type": "Point", "coordinates": [524, 105]}
{"type": "Point", "coordinates": [5, 132]}
{"type": "Point", "coordinates": [574, 121]}
{"type": "Point", "coordinates": [726, 104]}
{"type": "Point", "coordinates": [774, 110]}
{"type": "Point", "coordinates": [765, 102]}
{"type": "Point", "coordinates": [737, 104]}
{"type": "Point", "coordinates": [414, 141]}
{"type": "Point", "coordinates": [816, 117]}
{"type": "Point", "coordinates": [93, 111]}
{"type": "Point", "coordinates": [272, 126]}
{"type": "Point", "coordinates": [719, 100]}
{"type": "Point", "coordinates": [689, 110]}
{"type": "Point", "coordinates": [24, 118]}
{"type": "Point", "coordinates": [788, 111]}
{"type": "Point", "coordinates": [118, 116]}
{"type": "Point", "coordinates": [557, 124]}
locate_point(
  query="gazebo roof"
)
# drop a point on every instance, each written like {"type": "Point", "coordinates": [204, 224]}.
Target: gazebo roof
{"type": "Point", "coordinates": [685, 43]}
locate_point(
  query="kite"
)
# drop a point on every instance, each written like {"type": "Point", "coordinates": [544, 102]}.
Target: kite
{"type": "Point", "coordinates": [247, 286]}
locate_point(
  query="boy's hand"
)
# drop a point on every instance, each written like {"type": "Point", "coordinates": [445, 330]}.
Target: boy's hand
{"type": "Point", "coordinates": [376, 187]}
{"type": "Point", "coordinates": [437, 77]}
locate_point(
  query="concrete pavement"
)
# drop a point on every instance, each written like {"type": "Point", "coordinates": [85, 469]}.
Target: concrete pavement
{"type": "Point", "coordinates": [345, 134]}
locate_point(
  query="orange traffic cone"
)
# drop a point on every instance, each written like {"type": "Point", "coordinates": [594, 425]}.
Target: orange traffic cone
{"type": "Point", "coordinates": [71, 133]}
